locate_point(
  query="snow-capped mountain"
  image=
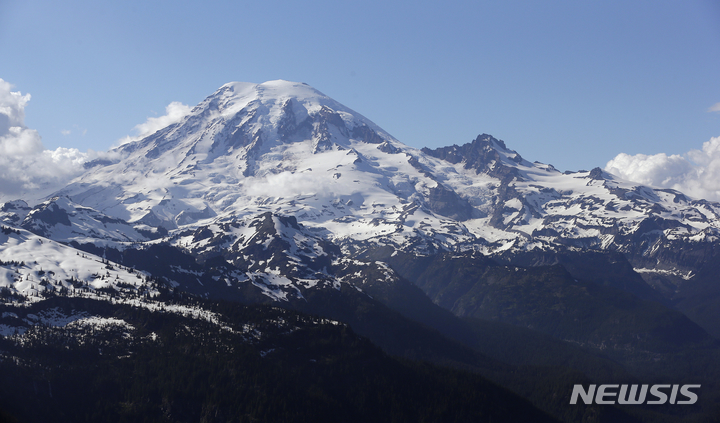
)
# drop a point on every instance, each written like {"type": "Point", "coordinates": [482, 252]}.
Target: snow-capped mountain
{"type": "Point", "coordinates": [285, 148]}
{"type": "Point", "coordinates": [280, 147]}
{"type": "Point", "coordinates": [275, 193]}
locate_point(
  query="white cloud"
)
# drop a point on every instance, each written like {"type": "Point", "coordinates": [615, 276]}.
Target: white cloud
{"type": "Point", "coordinates": [77, 129]}
{"type": "Point", "coordinates": [12, 108]}
{"type": "Point", "coordinates": [289, 184]}
{"type": "Point", "coordinates": [714, 108]}
{"type": "Point", "coordinates": [696, 173]}
{"type": "Point", "coordinates": [27, 169]}
{"type": "Point", "coordinates": [174, 112]}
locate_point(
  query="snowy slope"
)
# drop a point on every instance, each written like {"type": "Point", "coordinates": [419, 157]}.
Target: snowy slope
{"type": "Point", "coordinates": [32, 266]}
{"type": "Point", "coordinates": [63, 220]}
{"type": "Point", "coordinates": [280, 257]}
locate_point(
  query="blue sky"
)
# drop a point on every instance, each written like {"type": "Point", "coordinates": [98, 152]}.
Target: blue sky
{"type": "Point", "coordinates": [571, 83]}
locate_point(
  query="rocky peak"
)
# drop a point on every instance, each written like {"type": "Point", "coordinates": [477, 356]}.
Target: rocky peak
{"type": "Point", "coordinates": [597, 174]}
{"type": "Point", "coordinates": [485, 154]}
{"type": "Point", "coordinates": [13, 212]}
{"type": "Point", "coordinates": [14, 205]}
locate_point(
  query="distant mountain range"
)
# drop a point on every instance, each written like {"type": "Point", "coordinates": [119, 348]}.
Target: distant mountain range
{"type": "Point", "coordinates": [465, 256]}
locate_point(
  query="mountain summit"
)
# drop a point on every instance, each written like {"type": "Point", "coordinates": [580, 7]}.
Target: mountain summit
{"type": "Point", "coordinates": [286, 148]}
{"type": "Point", "coordinates": [278, 146]}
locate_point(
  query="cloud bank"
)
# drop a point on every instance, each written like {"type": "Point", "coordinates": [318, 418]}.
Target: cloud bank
{"type": "Point", "coordinates": [31, 172]}
{"type": "Point", "coordinates": [695, 173]}
{"type": "Point", "coordinates": [27, 169]}
{"type": "Point", "coordinates": [174, 112]}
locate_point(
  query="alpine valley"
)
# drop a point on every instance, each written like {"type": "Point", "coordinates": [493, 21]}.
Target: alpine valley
{"type": "Point", "coordinates": [276, 256]}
